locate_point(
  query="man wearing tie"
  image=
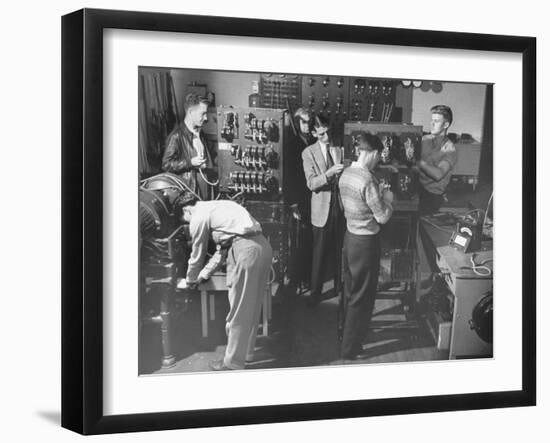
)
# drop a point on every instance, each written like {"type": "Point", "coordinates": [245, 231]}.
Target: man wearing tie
{"type": "Point", "coordinates": [322, 168]}
{"type": "Point", "coordinates": [186, 152]}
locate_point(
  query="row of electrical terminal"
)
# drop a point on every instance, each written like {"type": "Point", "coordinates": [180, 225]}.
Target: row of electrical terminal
{"type": "Point", "coordinates": [257, 157]}
{"type": "Point", "coordinates": [326, 102]}
{"type": "Point", "coordinates": [252, 182]}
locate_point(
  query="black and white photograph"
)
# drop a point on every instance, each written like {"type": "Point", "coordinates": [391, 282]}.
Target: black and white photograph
{"type": "Point", "coordinates": [298, 220]}
{"type": "Point", "coordinates": [274, 221]}
{"type": "Point", "coordinates": [290, 221]}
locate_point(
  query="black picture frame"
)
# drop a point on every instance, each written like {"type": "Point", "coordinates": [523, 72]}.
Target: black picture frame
{"type": "Point", "coordinates": [82, 217]}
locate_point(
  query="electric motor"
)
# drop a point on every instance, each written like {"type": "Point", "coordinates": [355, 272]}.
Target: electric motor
{"type": "Point", "coordinates": [482, 318]}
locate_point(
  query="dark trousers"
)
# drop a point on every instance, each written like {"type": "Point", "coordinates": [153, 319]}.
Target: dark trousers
{"type": "Point", "coordinates": [326, 249]}
{"type": "Point", "coordinates": [325, 252]}
{"type": "Point", "coordinates": [300, 260]}
{"type": "Point", "coordinates": [361, 263]}
{"type": "Point", "coordinates": [429, 203]}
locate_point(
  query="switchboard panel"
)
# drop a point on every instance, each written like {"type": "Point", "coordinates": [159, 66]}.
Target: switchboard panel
{"type": "Point", "coordinates": [276, 221]}
{"type": "Point", "coordinates": [400, 146]}
{"type": "Point", "coordinates": [328, 96]}
{"type": "Point", "coordinates": [373, 100]}
{"type": "Point", "coordinates": [278, 91]}
{"type": "Point", "coordinates": [250, 151]}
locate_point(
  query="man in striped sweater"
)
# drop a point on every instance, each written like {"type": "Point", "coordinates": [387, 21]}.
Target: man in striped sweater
{"type": "Point", "coordinates": [366, 205]}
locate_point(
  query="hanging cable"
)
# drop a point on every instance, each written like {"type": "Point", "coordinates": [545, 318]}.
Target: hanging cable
{"type": "Point", "coordinates": [273, 274]}
{"type": "Point", "coordinates": [236, 195]}
{"type": "Point", "coordinates": [178, 183]}
{"type": "Point", "coordinates": [480, 268]}
{"type": "Point", "coordinates": [206, 180]}
{"type": "Point", "coordinates": [487, 210]}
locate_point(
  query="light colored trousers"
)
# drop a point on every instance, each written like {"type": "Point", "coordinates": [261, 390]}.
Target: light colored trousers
{"type": "Point", "coordinates": [248, 265]}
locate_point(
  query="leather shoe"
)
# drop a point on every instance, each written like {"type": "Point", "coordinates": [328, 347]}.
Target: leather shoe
{"type": "Point", "coordinates": [218, 365]}
{"type": "Point", "coordinates": [358, 354]}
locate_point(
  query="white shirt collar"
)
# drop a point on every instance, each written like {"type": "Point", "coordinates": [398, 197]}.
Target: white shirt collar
{"type": "Point", "coordinates": [195, 132]}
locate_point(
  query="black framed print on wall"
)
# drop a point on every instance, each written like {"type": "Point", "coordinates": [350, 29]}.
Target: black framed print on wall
{"type": "Point", "coordinates": [163, 113]}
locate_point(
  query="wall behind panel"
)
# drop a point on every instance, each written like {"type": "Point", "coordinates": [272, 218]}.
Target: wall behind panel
{"type": "Point", "coordinates": [230, 88]}
{"type": "Point", "coordinates": [466, 100]}
{"type": "Point", "coordinates": [233, 88]}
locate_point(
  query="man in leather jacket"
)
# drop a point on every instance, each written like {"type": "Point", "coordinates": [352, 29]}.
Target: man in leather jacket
{"type": "Point", "coordinates": [187, 153]}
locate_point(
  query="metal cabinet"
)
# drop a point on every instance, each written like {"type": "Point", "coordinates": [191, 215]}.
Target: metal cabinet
{"type": "Point", "coordinates": [467, 166]}
{"type": "Point", "coordinates": [468, 290]}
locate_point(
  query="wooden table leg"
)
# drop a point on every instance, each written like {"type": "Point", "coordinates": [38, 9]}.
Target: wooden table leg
{"type": "Point", "coordinates": [212, 307]}
{"type": "Point", "coordinates": [204, 314]}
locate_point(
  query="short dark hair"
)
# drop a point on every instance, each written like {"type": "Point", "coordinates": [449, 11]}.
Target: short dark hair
{"type": "Point", "coordinates": [186, 199]}
{"type": "Point", "coordinates": [193, 99]}
{"type": "Point", "coordinates": [445, 111]}
{"type": "Point", "coordinates": [371, 142]}
{"type": "Point", "coordinates": [320, 121]}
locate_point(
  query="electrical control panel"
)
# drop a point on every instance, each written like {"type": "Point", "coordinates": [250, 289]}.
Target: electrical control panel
{"type": "Point", "coordinates": [373, 100]}
{"type": "Point", "coordinates": [338, 98]}
{"type": "Point", "coordinates": [278, 91]}
{"type": "Point", "coordinates": [275, 218]}
{"type": "Point", "coordinates": [400, 147]}
{"type": "Point", "coordinates": [328, 96]}
{"type": "Point", "coordinates": [250, 151]}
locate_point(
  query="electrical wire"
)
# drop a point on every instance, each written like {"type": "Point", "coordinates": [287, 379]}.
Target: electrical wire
{"type": "Point", "coordinates": [273, 274]}
{"type": "Point", "coordinates": [236, 195]}
{"type": "Point", "coordinates": [206, 180]}
{"type": "Point", "coordinates": [487, 210]}
{"type": "Point", "coordinates": [174, 179]}
{"type": "Point", "coordinates": [480, 268]}
{"type": "Point", "coordinates": [473, 211]}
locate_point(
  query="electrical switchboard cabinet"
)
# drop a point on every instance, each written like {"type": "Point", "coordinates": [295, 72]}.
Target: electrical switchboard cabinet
{"type": "Point", "coordinates": [328, 96]}
{"type": "Point", "coordinates": [401, 147]}
{"type": "Point", "coordinates": [279, 91]}
{"type": "Point", "coordinates": [250, 152]}
{"type": "Point", "coordinates": [373, 100]}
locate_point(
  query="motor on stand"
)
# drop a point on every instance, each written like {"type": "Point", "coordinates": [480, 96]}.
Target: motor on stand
{"type": "Point", "coordinates": [162, 236]}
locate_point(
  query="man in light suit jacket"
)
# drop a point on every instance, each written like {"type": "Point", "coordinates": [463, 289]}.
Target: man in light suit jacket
{"type": "Point", "coordinates": [322, 168]}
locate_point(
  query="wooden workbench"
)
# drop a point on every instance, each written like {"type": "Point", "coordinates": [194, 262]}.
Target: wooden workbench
{"type": "Point", "coordinates": [467, 287]}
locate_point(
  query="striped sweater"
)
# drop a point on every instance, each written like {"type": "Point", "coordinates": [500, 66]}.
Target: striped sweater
{"type": "Point", "coordinates": [364, 207]}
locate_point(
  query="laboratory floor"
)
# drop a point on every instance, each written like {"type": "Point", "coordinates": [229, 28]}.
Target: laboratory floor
{"type": "Point", "coordinates": [299, 336]}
